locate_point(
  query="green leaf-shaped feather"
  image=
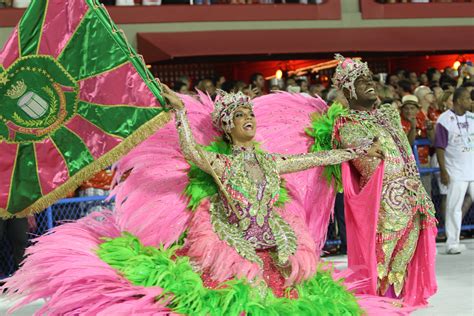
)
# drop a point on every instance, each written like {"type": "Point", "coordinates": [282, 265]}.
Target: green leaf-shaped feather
{"type": "Point", "coordinates": [322, 130]}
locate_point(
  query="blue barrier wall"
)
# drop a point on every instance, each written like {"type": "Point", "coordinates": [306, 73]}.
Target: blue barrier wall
{"type": "Point", "coordinates": [63, 211]}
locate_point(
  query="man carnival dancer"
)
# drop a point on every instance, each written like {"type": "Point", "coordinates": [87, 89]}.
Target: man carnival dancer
{"type": "Point", "coordinates": [402, 256]}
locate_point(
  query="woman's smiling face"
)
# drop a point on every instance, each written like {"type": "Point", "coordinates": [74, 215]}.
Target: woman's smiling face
{"type": "Point", "coordinates": [245, 125]}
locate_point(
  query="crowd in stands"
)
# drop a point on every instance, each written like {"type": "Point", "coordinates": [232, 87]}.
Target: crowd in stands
{"type": "Point", "coordinates": [433, 89]}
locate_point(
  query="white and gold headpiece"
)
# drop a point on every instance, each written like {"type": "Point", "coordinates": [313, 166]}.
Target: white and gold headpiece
{"type": "Point", "coordinates": [347, 71]}
{"type": "Point", "coordinates": [224, 108]}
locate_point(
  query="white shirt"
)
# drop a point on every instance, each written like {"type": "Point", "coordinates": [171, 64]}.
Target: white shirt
{"type": "Point", "coordinates": [455, 134]}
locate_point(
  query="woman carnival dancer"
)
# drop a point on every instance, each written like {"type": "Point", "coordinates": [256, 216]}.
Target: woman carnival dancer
{"type": "Point", "coordinates": [241, 240]}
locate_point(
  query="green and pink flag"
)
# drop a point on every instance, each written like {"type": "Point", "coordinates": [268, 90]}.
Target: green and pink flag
{"type": "Point", "coordinates": [74, 97]}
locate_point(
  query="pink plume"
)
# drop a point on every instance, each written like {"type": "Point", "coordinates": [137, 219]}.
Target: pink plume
{"type": "Point", "coordinates": [282, 118]}
{"type": "Point", "coordinates": [158, 178]}
{"type": "Point", "coordinates": [199, 115]}
{"type": "Point", "coordinates": [212, 254]}
{"type": "Point", "coordinates": [155, 183]}
{"type": "Point", "coordinates": [63, 267]}
{"type": "Point", "coordinates": [281, 121]}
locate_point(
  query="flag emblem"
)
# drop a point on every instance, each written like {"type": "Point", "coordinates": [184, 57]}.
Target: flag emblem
{"type": "Point", "coordinates": [74, 97]}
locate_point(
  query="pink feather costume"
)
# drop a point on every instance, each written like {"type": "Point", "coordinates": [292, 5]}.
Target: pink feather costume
{"type": "Point", "coordinates": [63, 266]}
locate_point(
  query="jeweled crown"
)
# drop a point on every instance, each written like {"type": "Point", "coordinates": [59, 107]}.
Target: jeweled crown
{"type": "Point", "coordinates": [347, 71]}
{"type": "Point", "coordinates": [224, 107]}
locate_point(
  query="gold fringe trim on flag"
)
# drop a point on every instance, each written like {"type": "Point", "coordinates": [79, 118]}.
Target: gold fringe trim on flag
{"type": "Point", "coordinates": [87, 172]}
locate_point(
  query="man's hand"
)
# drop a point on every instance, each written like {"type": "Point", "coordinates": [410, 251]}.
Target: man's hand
{"type": "Point", "coordinates": [444, 177]}
{"type": "Point", "coordinates": [429, 125]}
{"type": "Point", "coordinates": [376, 150]}
{"type": "Point", "coordinates": [412, 121]}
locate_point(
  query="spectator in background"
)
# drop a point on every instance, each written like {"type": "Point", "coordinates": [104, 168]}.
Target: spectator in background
{"type": "Point", "coordinates": [186, 81]}
{"type": "Point", "coordinates": [409, 113]}
{"type": "Point", "coordinates": [98, 185]}
{"type": "Point", "coordinates": [239, 86]}
{"type": "Point", "coordinates": [415, 125]}
{"type": "Point", "coordinates": [450, 72]}
{"type": "Point", "coordinates": [404, 88]}
{"type": "Point", "coordinates": [433, 75]}
{"type": "Point", "coordinates": [448, 86]}
{"type": "Point", "coordinates": [220, 82]}
{"type": "Point", "coordinates": [423, 129]}
{"type": "Point", "coordinates": [258, 81]}
{"type": "Point", "coordinates": [455, 152]}
{"type": "Point", "coordinates": [445, 102]}
{"type": "Point", "coordinates": [207, 85]}
{"type": "Point", "coordinates": [316, 90]}
{"type": "Point", "coordinates": [392, 80]}
{"type": "Point", "coordinates": [424, 79]}
{"type": "Point", "coordinates": [466, 75]}
{"type": "Point", "coordinates": [385, 93]}
{"type": "Point", "coordinates": [446, 81]}
{"type": "Point", "coordinates": [292, 86]}
{"type": "Point", "coordinates": [336, 95]}
{"type": "Point", "coordinates": [181, 87]}
{"type": "Point", "coordinates": [229, 87]}
{"type": "Point", "coordinates": [275, 87]}
{"type": "Point", "coordinates": [5, 3]}
{"type": "Point", "coordinates": [291, 81]}
{"type": "Point", "coordinates": [402, 74]}
{"type": "Point", "coordinates": [304, 87]}
{"type": "Point", "coordinates": [15, 230]}
{"type": "Point", "coordinates": [437, 92]}
{"type": "Point", "coordinates": [413, 78]}
{"type": "Point", "coordinates": [428, 104]}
